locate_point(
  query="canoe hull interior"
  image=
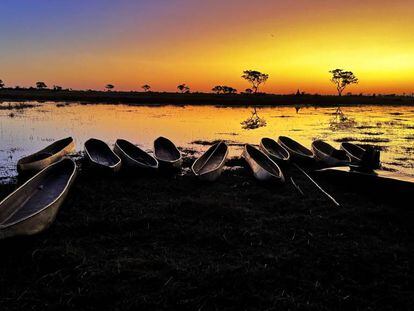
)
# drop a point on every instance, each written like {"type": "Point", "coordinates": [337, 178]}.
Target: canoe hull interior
{"type": "Point", "coordinates": [275, 151]}
{"type": "Point", "coordinates": [100, 157]}
{"type": "Point", "coordinates": [354, 152]}
{"type": "Point", "coordinates": [134, 157]}
{"type": "Point", "coordinates": [368, 157]}
{"type": "Point", "coordinates": [33, 207]}
{"type": "Point", "coordinates": [210, 165]}
{"type": "Point", "coordinates": [167, 154]}
{"type": "Point", "coordinates": [298, 153]}
{"type": "Point", "coordinates": [48, 155]}
{"type": "Point", "coordinates": [328, 154]}
{"type": "Point", "coordinates": [262, 167]}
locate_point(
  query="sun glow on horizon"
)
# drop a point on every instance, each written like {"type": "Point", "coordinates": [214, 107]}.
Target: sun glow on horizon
{"type": "Point", "coordinates": [295, 43]}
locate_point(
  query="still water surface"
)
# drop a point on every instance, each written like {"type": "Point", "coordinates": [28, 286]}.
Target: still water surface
{"type": "Point", "coordinates": [23, 131]}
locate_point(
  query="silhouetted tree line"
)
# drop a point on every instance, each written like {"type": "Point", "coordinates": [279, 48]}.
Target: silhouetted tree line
{"type": "Point", "coordinates": [339, 77]}
{"type": "Point", "coordinates": [223, 89]}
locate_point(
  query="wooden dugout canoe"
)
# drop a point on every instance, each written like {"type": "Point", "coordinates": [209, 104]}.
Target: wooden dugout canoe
{"type": "Point", "coordinates": [354, 152]}
{"type": "Point", "coordinates": [210, 165]}
{"type": "Point", "coordinates": [274, 150]}
{"type": "Point", "coordinates": [326, 153]}
{"type": "Point", "coordinates": [167, 154]}
{"type": "Point", "coordinates": [33, 207]}
{"type": "Point", "coordinates": [298, 152]}
{"type": "Point", "coordinates": [48, 155]}
{"type": "Point", "coordinates": [263, 168]}
{"type": "Point", "coordinates": [368, 157]}
{"type": "Point", "coordinates": [134, 157]}
{"type": "Point", "coordinates": [101, 157]}
{"type": "Point", "coordinates": [392, 186]}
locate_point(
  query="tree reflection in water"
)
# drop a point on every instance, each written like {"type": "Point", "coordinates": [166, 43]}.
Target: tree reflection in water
{"type": "Point", "coordinates": [340, 120]}
{"type": "Point", "coordinates": [253, 122]}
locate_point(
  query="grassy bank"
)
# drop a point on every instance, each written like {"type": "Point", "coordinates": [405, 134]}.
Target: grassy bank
{"type": "Point", "coordinates": [155, 98]}
{"type": "Point", "coordinates": [175, 243]}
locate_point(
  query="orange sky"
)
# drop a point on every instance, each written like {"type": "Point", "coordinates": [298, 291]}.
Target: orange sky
{"type": "Point", "coordinates": [164, 43]}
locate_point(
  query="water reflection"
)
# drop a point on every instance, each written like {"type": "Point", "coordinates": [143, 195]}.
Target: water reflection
{"type": "Point", "coordinates": [341, 120]}
{"type": "Point", "coordinates": [389, 128]}
{"type": "Point", "coordinates": [253, 122]}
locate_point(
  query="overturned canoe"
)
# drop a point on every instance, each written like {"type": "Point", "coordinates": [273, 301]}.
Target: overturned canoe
{"type": "Point", "coordinates": [33, 206]}
{"type": "Point", "coordinates": [383, 184]}
{"type": "Point", "coordinates": [262, 166]}
{"type": "Point", "coordinates": [48, 155]}
{"type": "Point", "coordinates": [298, 152]}
{"type": "Point", "coordinates": [274, 150]}
{"type": "Point", "coordinates": [210, 165]}
{"type": "Point", "coordinates": [100, 156]}
{"type": "Point", "coordinates": [134, 157]}
{"type": "Point", "coordinates": [331, 156]}
{"type": "Point", "coordinates": [167, 153]}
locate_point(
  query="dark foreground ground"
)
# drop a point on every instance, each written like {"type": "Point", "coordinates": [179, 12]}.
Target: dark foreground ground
{"type": "Point", "coordinates": [175, 243]}
{"type": "Point", "coordinates": [165, 98]}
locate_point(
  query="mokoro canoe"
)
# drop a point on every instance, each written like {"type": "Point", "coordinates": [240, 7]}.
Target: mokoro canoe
{"type": "Point", "coordinates": [366, 157]}
{"type": "Point", "coordinates": [167, 153]}
{"type": "Point", "coordinates": [210, 165]}
{"type": "Point", "coordinates": [331, 156]}
{"type": "Point", "coordinates": [33, 206]}
{"type": "Point", "coordinates": [383, 184]}
{"type": "Point", "coordinates": [48, 155]}
{"type": "Point", "coordinates": [263, 167]}
{"type": "Point", "coordinates": [354, 152]}
{"type": "Point", "coordinates": [298, 152]}
{"type": "Point", "coordinates": [134, 157]}
{"type": "Point", "coordinates": [274, 150]}
{"type": "Point", "coordinates": [100, 156]}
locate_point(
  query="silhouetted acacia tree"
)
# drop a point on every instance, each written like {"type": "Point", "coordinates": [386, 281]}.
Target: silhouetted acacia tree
{"type": "Point", "coordinates": [183, 88]}
{"type": "Point", "coordinates": [248, 91]}
{"type": "Point", "coordinates": [41, 85]}
{"type": "Point", "coordinates": [146, 87]}
{"type": "Point", "coordinates": [1, 84]}
{"type": "Point", "coordinates": [109, 87]}
{"type": "Point", "coordinates": [228, 90]}
{"type": "Point", "coordinates": [217, 89]}
{"type": "Point", "coordinates": [255, 78]}
{"type": "Point", "coordinates": [342, 79]}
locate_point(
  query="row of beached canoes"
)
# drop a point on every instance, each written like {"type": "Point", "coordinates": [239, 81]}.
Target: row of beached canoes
{"type": "Point", "coordinates": [263, 161]}
{"type": "Point", "coordinates": [266, 161]}
{"type": "Point", "coordinates": [34, 205]}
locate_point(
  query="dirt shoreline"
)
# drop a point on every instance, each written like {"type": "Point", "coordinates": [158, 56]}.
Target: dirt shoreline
{"type": "Point", "coordinates": [172, 242]}
{"type": "Point", "coordinates": [165, 98]}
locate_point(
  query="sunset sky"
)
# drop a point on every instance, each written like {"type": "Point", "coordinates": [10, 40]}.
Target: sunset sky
{"type": "Point", "coordinates": [84, 44]}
